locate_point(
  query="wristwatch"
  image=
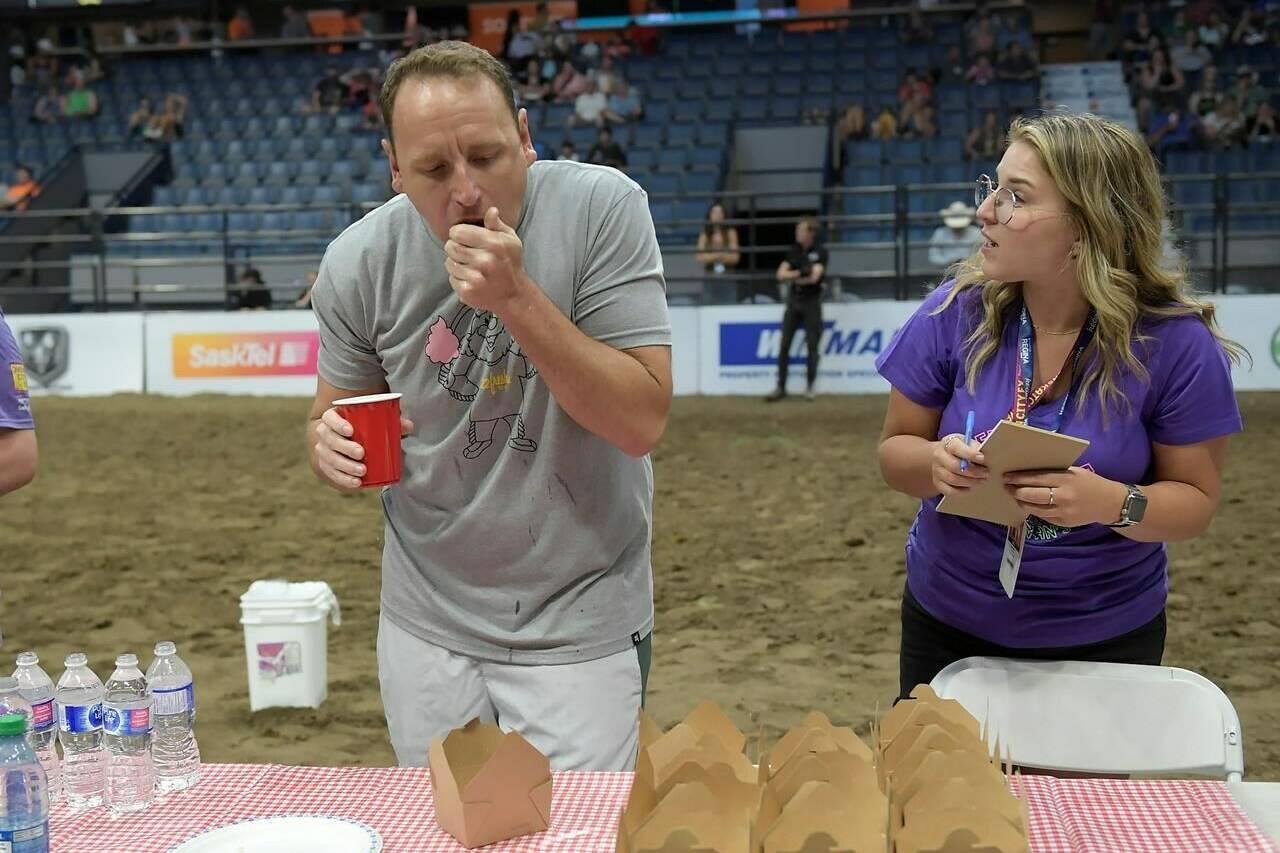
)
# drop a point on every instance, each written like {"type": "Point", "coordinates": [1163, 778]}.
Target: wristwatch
{"type": "Point", "coordinates": [1135, 507]}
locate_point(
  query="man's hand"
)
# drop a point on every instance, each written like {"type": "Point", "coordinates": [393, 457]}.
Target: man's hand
{"type": "Point", "coordinates": [486, 265]}
{"type": "Point", "coordinates": [338, 458]}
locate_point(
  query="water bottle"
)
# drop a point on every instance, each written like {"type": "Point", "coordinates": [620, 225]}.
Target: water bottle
{"type": "Point", "coordinates": [24, 801]}
{"type": "Point", "coordinates": [37, 688]}
{"type": "Point", "coordinates": [13, 702]}
{"type": "Point", "coordinates": [173, 744]}
{"type": "Point", "coordinates": [126, 726]}
{"type": "Point", "coordinates": [79, 697]}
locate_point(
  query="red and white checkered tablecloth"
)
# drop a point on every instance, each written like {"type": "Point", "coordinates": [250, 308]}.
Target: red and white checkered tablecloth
{"type": "Point", "coordinates": [1075, 815]}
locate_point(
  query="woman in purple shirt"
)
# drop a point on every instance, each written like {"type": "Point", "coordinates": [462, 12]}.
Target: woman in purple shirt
{"type": "Point", "coordinates": [17, 430]}
{"type": "Point", "coordinates": [1066, 317]}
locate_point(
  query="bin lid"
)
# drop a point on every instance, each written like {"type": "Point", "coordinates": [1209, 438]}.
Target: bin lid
{"type": "Point", "coordinates": [278, 594]}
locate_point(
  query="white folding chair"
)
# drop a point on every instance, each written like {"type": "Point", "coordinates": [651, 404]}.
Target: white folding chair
{"type": "Point", "coordinates": [1100, 717]}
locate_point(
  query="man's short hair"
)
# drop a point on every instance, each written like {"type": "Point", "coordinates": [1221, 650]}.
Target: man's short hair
{"type": "Point", "coordinates": [455, 59]}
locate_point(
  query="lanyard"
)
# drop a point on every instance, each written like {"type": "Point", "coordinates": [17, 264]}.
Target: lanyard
{"type": "Point", "coordinates": [1024, 397]}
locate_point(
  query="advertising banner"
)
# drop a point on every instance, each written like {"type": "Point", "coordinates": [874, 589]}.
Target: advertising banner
{"type": "Point", "coordinates": [268, 352]}
{"type": "Point", "coordinates": [80, 354]}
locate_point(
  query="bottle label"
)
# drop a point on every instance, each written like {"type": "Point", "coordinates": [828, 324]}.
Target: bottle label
{"type": "Point", "coordinates": [76, 719]}
{"type": "Point", "coordinates": [126, 721]}
{"type": "Point", "coordinates": [175, 700]}
{"type": "Point", "coordinates": [43, 716]}
{"type": "Point", "coordinates": [20, 839]}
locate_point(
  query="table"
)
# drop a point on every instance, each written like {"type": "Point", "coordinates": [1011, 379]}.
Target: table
{"type": "Point", "coordinates": [1068, 815]}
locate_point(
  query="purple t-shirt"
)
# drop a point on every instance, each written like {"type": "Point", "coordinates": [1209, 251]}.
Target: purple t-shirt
{"type": "Point", "coordinates": [1080, 585]}
{"type": "Point", "coordinates": [15, 402]}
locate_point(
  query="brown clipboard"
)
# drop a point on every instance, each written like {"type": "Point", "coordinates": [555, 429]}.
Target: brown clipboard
{"type": "Point", "coordinates": [1012, 447]}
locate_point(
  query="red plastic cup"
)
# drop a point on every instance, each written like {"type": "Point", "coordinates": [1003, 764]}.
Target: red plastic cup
{"type": "Point", "coordinates": [375, 421]}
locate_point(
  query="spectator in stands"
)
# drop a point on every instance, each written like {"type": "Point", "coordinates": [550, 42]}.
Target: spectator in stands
{"type": "Point", "coordinates": [606, 75]}
{"type": "Point", "coordinates": [1174, 130]}
{"type": "Point", "coordinates": [1162, 80]}
{"type": "Point", "coordinates": [886, 124]}
{"type": "Point", "coordinates": [92, 68]}
{"type": "Point", "coordinates": [1189, 55]}
{"type": "Point", "coordinates": [251, 292]}
{"type": "Point", "coordinates": [915, 29]}
{"type": "Point", "coordinates": [852, 126]}
{"type": "Point", "coordinates": [1251, 29]}
{"type": "Point", "coordinates": [521, 43]}
{"type": "Point", "coordinates": [568, 151]}
{"type": "Point", "coordinates": [1213, 32]}
{"type": "Point", "coordinates": [1175, 30]}
{"type": "Point", "coordinates": [624, 102]}
{"type": "Point", "coordinates": [1225, 126]}
{"type": "Point", "coordinates": [981, 73]}
{"type": "Point", "coordinates": [329, 94]}
{"type": "Point", "coordinates": [803, 271]}
{"type": "Point", "coordinates": [530, 84]}
{"type": "Point", "coordinates": [1262, 126]}
{"type": "Point", "coordinates": [170, 123]}
{"type": "Point", "coordinates": [982, 34]}
{"type": "Point", "coordinates": [1205, 98]}
{"type": "Point", "coordinates": [918, 119]}
{"type": "Point", "coordinates": [1137, 43]}
{"type": "Point", "coordinates": [21, 192]}
{"type": "Point", "coordinates": [295, 26]}
{"type": "Point", "coordinates": [607, 152]}
{"type": "Point", "coordinates": [589, 107]}
{"type": "Point", "coordinates": [240, 27]}
{"type": "Point", "coordinates": [985, 141]}
{"type": "Point", "coordinates": [957, 238]}
{"type": "Point", "coordinates": [718, 252]}
{"type": "Point", "coordinates": [1012, 29]}
{"type": "Point", "coordinates": [1017, 64]}
{"type": "Point", "coordinates": [361, 87]}
{"type": "Point", "coordinates": [1247, 90]}
{"type": "Point", "coordinates": [80, 102]}
{"type": "Point", "coordinates": [48, 107]}
{"type": "Point", "coordinates": [569, 83]}
{"type": "Point", "coordinates": [140, 118]}
{"type": "Point", "coordinates": [304, 296]}
{"type": "Point", "coordinates": [912, 86]}
{"type": "Point", "coordinates": [18, 450]}
{"type": "Point", "coordinates": [1102, 32]}
{"type": "Point", "coordinates": [42, 67]}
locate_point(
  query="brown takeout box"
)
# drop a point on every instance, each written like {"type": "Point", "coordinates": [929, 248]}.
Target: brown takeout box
{"type": "Point", "coordinates": [489, 785]}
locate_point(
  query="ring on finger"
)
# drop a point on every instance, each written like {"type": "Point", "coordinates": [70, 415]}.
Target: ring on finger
{"type": "Point", "coordinates": [1051, 496]}
{"type": "Point", "coordinates": [946, 443]}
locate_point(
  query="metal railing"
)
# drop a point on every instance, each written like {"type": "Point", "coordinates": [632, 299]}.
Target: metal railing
{"type": "Point", "coordinates": [1219, 254]}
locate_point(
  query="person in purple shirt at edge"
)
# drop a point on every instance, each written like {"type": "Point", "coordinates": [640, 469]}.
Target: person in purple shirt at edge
{"type": "Point", "coordinates": [1073, 234]}
{"type": "Point", "coordinates": [17, 429]}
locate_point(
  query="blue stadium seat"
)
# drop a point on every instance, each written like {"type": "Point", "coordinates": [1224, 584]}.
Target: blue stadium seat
{"type": "Point", "coordinates": [701, 182]}
{"type": "Point", "coordinates": [164, 197]}
{"type": "Point", "coordinates": [281, 172]}
{"type": "Point", "coordinates": [707, 155]}
{"type": "Point", "coordinates": [242, 220]}
{"type": "Point", "coordinates": [295, 194]}
{"type": "Point", "coordinates": [318, 124]}
{"type": "Point", "coordinates": [196, 196]}
{"type": "Point", "coordinates": [327, 194]}
{"type": "Point", "coordinates": [262, 195]}
{"type": "Point", "coordinates": [228, 197]}
{"type": "Point", "coordinates": [367, 192]}
{"type": "Point", "coordinates": [712, 132]}
{"type": "Point", "coordinates": [906, 151]}
{"type": "Point", "coordinates": [327, 150]}
{"type": "Point", "coordinates": [1196, 192]}
{"type": "Point", "coordinates": [947, 173]}
{"type": "Point", "coordinates": [311, 171]}
{"type": "Point", "coordinates": [272, 221]}
{"type": "Point", "coordinates": [720, 111]}
{"type": "Point", "coordinates": [753, 109]}
{"type": "Point", "coordinates": [869, 152]}
{"type": "Point", "coordinates": [943, 149]}
{"type": "Point", "coordinates": [681, 134]}
{"type": "Point", "coordinates": [690, 110]}
{"type": "Point", "coordinates": [662, 183]}
{"type": "Point", "coordinates": [869, 203]}
{"type": "Point", "coordinates": [647, 135]}
{"type": "Point", "coordinates": [342, 170]}
{"type": "Point", "coordinates": [236, 150]}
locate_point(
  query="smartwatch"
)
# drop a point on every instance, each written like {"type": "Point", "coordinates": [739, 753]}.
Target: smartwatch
{"type": "Point", "coordinates": [1135, 507]}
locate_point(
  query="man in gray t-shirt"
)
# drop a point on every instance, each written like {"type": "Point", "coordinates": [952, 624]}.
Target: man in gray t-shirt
{"type": "Point", "coordinates": [520, 308]}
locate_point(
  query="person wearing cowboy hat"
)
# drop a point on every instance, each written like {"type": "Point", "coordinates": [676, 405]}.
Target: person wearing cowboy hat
{"type": "Point", "coordinates": [957, 238]}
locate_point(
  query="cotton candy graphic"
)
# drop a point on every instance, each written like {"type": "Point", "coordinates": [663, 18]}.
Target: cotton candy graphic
{"type": "Point", "coordinates": [442, 343]}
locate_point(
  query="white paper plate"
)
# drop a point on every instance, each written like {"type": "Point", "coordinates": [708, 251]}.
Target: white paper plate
{"type": "Point", "coordinates": [286, 834]}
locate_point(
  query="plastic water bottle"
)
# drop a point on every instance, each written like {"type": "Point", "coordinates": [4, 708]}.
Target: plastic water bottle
{"type": "Point", "coordinates": [37, 688]}
{"type": "Point", "coordinates": [13, 702]}
{"type": "Point", "coordinates": [173, 745]}
{"type": "Point", "coordinates": [84, 759]}
{"type": "Point", "coordinates": [24, 801]}
{"type": "Point", "coordinates": [126, 724]}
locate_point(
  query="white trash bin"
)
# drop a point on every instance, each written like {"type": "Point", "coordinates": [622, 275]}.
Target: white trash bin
{"type": "Point", "coordinates": [285, 642]}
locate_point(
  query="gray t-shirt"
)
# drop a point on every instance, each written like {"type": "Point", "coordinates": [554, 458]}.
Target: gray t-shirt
{"type": "Point", "coordinates": [514, 535]}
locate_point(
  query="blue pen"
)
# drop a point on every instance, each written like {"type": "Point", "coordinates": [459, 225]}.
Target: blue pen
{"type": "Point", "coordinates": [968, 436]}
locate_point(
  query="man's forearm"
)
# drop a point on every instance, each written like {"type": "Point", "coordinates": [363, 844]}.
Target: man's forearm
{"type": "Point", "coordinates": [588, 379]}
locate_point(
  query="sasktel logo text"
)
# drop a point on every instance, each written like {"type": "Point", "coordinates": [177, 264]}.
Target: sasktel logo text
{"type": "Point", "coordinates": [245, 354]}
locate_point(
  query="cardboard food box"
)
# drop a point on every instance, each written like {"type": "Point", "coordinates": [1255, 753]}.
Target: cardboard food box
{"type": "Point", "coordinates": [489, 785]}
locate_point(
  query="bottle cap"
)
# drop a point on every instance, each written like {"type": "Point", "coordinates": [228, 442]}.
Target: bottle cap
{"type": "Point", "coordinates": [13, 724]}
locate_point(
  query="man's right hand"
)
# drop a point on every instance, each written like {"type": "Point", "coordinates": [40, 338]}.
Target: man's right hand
{"type": "Point", "coordinates": [338, 459]}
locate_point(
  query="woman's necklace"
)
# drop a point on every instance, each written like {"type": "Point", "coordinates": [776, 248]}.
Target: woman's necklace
{"type": "Point", "coordinates": [1063, 332]}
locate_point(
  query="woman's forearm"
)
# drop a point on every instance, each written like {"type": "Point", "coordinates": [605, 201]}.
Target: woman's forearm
{"type": "Point", "coordinates": [906, 463]}
{"type": "Point", "coordinates": [1175, 512]}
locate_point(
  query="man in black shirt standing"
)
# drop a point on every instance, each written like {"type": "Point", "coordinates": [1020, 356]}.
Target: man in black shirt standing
{"type": "Point", "coordinates": [606, 152]}
{"type": "Point", "coordinates": [803, 269]}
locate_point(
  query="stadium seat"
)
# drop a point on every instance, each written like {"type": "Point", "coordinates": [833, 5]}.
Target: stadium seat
{"type": "Point", "coordinates": [327, 194]}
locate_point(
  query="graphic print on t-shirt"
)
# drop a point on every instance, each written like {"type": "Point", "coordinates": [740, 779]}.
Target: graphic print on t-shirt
{"type": "Point", "coordinates": [481, 364]}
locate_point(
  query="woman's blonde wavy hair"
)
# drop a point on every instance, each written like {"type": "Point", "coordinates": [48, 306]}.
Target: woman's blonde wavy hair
{"type": "Point", "coordinates": [1116, 202]}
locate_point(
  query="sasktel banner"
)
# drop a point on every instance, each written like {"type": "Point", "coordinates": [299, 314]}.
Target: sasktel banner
{"type": "Point", "coordinates": [80, 354]}
{"type": "Point", "coordinates": [248, 352]}
{"type": "Point", "coordinates": [739, 347]}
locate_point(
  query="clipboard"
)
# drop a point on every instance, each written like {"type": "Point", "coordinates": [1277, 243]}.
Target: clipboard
{"type": "Point", "coordinates": [1012, 447]}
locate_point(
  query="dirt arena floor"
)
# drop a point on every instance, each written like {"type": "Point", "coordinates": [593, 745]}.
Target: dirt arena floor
{"type": "Point", "coordinates": [777, 555]}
